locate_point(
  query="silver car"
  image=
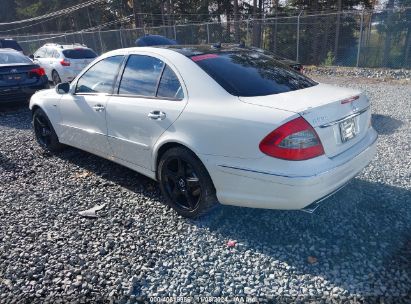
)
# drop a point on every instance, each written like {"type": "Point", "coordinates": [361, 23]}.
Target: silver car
{"type": "Point", "coordinates": [61, 62]}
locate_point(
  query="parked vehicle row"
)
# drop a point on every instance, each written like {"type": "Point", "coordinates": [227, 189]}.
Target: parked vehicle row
{"type": "Point", "coordinates": [212, 124]}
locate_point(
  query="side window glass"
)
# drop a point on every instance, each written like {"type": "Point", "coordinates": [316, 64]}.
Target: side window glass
{"type": "Point", "coordinates": [39, 53]}
{"type": "Point", "coordinates": [170, 86]}
{"type": "Point", "coordinates": [141, 76]}
{"type": "Point", "coordinates": [56, 54]}
{"type": "Point", "coordinates": [48, 53]}
{"type": "Point", "coordinates": [100, 77]}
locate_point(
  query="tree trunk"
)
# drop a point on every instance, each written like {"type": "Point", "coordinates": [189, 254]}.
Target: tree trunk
{"type": "Point", "coordinates": [337, 29]}
{"type": "Point", "coordinates": [138, 18]}
{"type": "Point", "coordinates": [388, 35]}
{"type": "Point", "coordinates": [407, 59]}
{"type": "Point", "coordinates": [273, 37]}
{"type": "Point", "coordinates": [256, 27]}
{"type": "Point", "coordinates": [237, 34]}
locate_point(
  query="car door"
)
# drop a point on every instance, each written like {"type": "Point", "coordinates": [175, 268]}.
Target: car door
{"type": "Point", "coordinates": [39, 58]}
{"type": "Point", "coordinates": [47, 61]}
{"type": "Point", "coordinates": [149, 99]}
{"type": "Point", "coordinates": [83, 112]}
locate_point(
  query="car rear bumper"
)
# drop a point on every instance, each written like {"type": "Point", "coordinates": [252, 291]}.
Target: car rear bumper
{"type": "Point", "coordinates": [20, 94]}
{"type": "Point", "coordinates": [265, 189]}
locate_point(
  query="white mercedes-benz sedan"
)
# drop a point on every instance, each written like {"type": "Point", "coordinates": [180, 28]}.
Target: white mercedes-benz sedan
{"type": "Point", "coordinates": [212, 124]}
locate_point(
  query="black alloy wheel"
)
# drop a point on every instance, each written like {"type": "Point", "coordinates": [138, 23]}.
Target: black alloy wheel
{"type": "Point", "coordinates": [56, 78]}
{"type": "Point", "coordinates": [185, 183]}
{"type": "Point", "coordinates": [44, 132]}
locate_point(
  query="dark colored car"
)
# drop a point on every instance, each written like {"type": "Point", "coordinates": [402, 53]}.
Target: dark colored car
{"type": "Point", "coordinates": [151, 40]}
{"type": "Point", "coordinates": [10, 44]}
{"type": "Point", "coordinates": [19, 77]}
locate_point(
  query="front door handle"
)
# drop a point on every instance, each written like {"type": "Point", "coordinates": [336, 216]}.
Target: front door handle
{"type": "Point", "coordinates": [157, 115]}
{"type": "Point", "coordinates": [98, 108]}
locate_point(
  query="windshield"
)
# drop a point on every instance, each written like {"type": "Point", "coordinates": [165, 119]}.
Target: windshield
{"type": "Point", "coordinates": [14, 58]}
{"type": "Point", "coordinates": [248, 73]}
{"type": "Point", "coordinates": [79, 54]}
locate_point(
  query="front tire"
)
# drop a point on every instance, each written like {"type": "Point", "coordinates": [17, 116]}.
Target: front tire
{"type": "Point", "coordinates": [56, 78]}
{"type": "Point", "coordinates": [185, 183]}
{"type": "Point", "coordinates": [44, 132]}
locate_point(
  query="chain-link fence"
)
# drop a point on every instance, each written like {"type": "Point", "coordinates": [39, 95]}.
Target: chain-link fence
{"type": "Point", "coordinates": [354, 38]}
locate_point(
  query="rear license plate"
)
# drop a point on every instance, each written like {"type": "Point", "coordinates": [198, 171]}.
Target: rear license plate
{"type": "Point", "coordinates": [348, 129]}
{"type": "Point", "coordinates": [14, 77]}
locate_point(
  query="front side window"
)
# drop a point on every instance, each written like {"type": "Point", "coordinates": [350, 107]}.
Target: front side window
{"type": "Point", "coordinates": [49, 53]}
{"type": "Point", "coordinates": [40, 53]}
{"type": "Point", "coordinates": [100, 77]}
{"type": "Point", "coordinates": [141, 76]}
{"type": "Point", "coordinates": [170, 86]}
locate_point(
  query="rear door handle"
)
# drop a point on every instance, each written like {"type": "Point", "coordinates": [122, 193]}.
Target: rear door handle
{"type": "Point", "coordinates": [98, 108]}
{"type": "Point", "coordinates": [157, 115]}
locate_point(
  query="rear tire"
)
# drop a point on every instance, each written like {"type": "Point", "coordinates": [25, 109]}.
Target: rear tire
{"type": "Point", "coordinates": [44, 132]}
{"type": "Point", "coordinates": [185, 183]}
{"type": "Point", "coordinates": [56, 78]}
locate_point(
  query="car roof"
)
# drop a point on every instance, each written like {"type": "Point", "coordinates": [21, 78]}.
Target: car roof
{"type": "Point", "coordinates": [66, 46]}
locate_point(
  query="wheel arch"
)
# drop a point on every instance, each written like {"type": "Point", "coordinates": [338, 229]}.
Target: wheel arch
{"type": "Point", "coordinates": [165, 146]}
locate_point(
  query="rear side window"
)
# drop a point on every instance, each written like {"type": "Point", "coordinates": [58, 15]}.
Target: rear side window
{"type": "Point", "coordinates": [13, 58]}
{"type": "Point", "coordinates": [79, 54]}
{"type": "Point", "coordinates": [141, 76]}
{"type": "Point", "coordinates": [246, 73]}
{"type": "Point", "coordinates": [170, 86]}
{"type": "Point", "coordinates": [100, 77]}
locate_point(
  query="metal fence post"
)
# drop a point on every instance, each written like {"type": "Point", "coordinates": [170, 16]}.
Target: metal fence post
{"type": "Point", "coordinates": [121, 39]}
{"type": "Point", "coordinates": [175, 32]}
{"type": "Point", "coordinates": [298, 37]}
{"type": "Point", "coordinates": [248, 29]}
{"type": "Point", "coordinates": [360, 39]}
{"type": "Point", "coordinates": [208, 34]}
{"type": "Point", "coordinates": [101, 41]}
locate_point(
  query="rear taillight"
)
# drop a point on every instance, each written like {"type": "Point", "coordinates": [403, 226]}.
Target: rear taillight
{"type": "Point", "coordinates": [294, 140]}
{"type": "Point", "coordinates": [37, 72]}
{"type": "Point", "coordinates": [65, 62]}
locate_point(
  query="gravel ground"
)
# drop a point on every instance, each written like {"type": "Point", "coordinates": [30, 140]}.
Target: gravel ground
{"type": "Point", "coordinates": [356, 248]}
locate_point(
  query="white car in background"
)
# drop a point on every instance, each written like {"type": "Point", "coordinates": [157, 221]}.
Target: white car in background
{"type": "Point", "coordinates": [228, 125]}
{"type": "Point", "coordinates": [61, 62]}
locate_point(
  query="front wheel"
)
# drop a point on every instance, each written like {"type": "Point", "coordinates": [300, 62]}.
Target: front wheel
{"type": "Point", "coordinates": [56, 78]}
{"type": "Point", "coordinates": [44, 132]}
{"type": "Point", "coordinates": [185, 183]}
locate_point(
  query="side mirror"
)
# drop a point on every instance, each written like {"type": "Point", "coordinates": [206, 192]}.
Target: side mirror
{"type": "Point", "coordinates": [31, 56]}
{"type": "Point", "coordinates": [63, 88]}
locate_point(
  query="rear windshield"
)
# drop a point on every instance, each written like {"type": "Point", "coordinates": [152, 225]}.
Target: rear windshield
{"type": "Point", "coordinates": [13, 58]}
{"type": "Point", "coordinates": [79, 54]}
{"type": "Point", "coordinates": [247, 73]}
{"type": "Point", "coordinates": [11, 44]}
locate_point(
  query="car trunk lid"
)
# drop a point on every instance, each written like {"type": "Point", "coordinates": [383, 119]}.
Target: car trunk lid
{"type": "Point", "coordinates": [17, 75]}
{"type": "Point", "coordinates": [340, 116]}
